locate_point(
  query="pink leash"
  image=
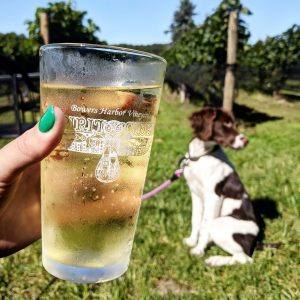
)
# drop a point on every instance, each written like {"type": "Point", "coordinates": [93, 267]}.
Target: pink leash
{"type": "Point", "coordinates": [177, 174]}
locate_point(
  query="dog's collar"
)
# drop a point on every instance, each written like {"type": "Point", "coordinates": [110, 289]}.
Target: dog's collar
{"type": "Point", "coordinates": [195, 158]}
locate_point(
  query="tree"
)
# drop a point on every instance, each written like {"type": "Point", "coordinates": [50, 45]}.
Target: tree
{"type": "Point", "coordinates": [66, 24]}
{"type": "Point", "coordinates": [270, 60]}
{"type": "Point", "coordinates": [20, 49]}
{"type": "Point", "coordinates": [157, 49]}
{"type": "Point", "coordinates": [207, 45]}
{"type": "Point", "coordinates": [183, 19]}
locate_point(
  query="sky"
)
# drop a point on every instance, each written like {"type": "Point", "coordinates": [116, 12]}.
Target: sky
{"type": "Point", "coordinates": [144, 22]}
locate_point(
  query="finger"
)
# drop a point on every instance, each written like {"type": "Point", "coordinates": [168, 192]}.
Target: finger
{"type": "Point", "coordinates": [32, 146]}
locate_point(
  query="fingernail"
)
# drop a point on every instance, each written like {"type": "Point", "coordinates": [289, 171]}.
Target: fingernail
{"type": "Point", "coordinates": [47, 120]}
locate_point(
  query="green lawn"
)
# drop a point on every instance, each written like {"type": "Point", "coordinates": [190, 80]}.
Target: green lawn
{"type": "Point", "coordinates": [161, 267]}
{"type": "Point", "coordinates": [291, 88]}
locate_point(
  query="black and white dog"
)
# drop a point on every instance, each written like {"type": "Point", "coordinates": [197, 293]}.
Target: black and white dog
{"type": "Point", "coordinates": [221, 210]}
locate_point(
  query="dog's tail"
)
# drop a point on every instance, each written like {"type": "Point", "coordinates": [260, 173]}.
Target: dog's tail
{"type": "Point", "coordinates": [261, 246]}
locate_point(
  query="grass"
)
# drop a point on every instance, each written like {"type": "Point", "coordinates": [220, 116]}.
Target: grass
{"type": "Point", "coordinates": [293, 82]}
{"type": "Point", "coordinates": [290, 92]}
{"type": "Point", "coordinates": [161, 267]}
{"type": "Point", "coordinates": [291, 88]}
{"type": "Point", "coordinates": [9, 116]}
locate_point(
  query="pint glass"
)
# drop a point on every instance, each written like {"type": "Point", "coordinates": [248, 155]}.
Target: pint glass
{"type": "Point", "coordinates": [91, 184]}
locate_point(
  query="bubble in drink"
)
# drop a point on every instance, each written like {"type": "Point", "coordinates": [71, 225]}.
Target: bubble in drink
{"type": "Point", "coordinates": [93, 181]}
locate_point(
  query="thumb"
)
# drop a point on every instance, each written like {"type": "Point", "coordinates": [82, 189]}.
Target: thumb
{"type": "Point", "coordinates": [32, 146]}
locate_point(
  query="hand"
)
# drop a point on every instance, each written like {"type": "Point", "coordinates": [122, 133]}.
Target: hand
{"type": "Point", "coordinates": [20, 223]}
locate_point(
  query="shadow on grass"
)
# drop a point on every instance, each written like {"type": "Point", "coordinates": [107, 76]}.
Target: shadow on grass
{"type": "Point", "coordinates": [250, 116]}
{"type": "Point", "coordinates": [265, 208]}
{"type": "Point", "coordinates": [292, 98]}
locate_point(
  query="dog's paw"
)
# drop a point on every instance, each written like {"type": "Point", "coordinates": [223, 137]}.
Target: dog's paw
{"type": "Point", "coordinates": [216, 260]}
{"type": "Point", "coordinates": [197, 251]}
{"type": "Point", "coordinates": [190, 242]}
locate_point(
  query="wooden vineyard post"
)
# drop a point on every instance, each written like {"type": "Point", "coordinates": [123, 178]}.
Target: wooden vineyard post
{"type": "Point", "coordinates": [182, 93]}
{"type": "Point", "coordinates": [229, 84]}
{"type": "Point", "coordinates": [44, 27]}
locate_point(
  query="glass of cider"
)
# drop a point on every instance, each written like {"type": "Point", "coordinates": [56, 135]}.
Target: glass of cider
{"type": "Point", "coordinates": [92, 183]}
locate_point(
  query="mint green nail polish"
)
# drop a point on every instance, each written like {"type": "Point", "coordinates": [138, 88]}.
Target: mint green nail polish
{"type": "Point", "coordinates": [47, 120]}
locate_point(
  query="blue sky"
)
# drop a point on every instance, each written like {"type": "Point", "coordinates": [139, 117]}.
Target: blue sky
{"type": "Point", "coordinates": [144, 21]}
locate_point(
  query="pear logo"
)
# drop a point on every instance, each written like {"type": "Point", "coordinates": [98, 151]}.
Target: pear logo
{"type": "Point", "coordinates": [110, 140]}
{"type": "Point", "coordinates": [108, 168]}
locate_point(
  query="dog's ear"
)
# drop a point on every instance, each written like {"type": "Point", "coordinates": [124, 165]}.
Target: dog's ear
{"type": "Point", "coordinates": [225, 116]}
{"type": "Point", "coordinates": [202, 122]}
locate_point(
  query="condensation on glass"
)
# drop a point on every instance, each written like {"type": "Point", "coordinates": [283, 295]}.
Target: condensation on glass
{"type": "Point", "coordinates": [91, 184]}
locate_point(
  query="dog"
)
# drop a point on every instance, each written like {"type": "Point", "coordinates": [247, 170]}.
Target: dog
{"type": "Point", "coordinates": [222, 212]}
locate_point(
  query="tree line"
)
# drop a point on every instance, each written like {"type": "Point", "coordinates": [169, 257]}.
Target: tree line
{"type": "Point", "coordinates": [196, 55]}
{"type": "Point", "coordinates": [202, 49]}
